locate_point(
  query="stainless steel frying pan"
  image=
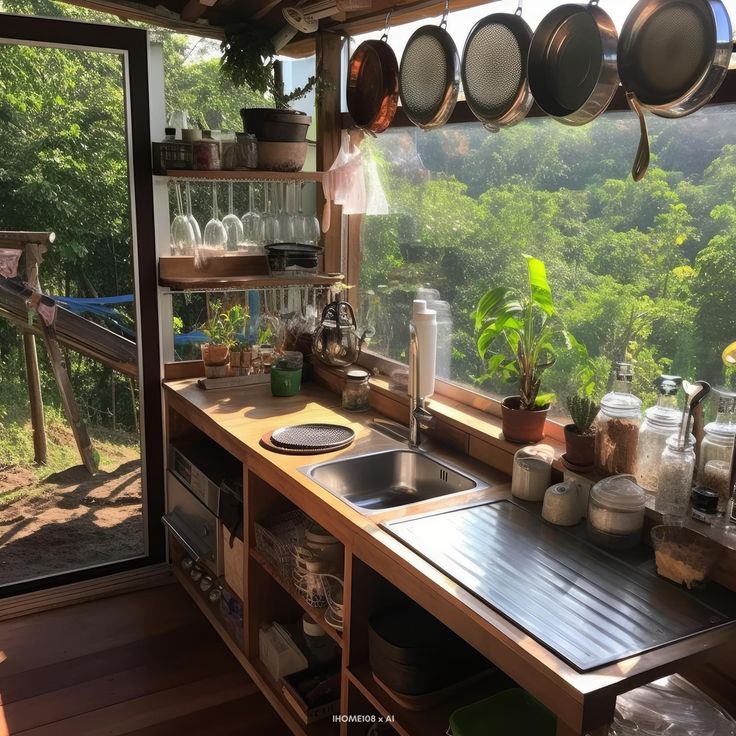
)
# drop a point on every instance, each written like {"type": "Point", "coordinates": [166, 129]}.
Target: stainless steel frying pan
{"type": "Point", "coordinates": [673, 56]}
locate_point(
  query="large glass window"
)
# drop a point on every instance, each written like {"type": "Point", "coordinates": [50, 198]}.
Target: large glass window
{"type": "Point", "coordinates": [644, 271]}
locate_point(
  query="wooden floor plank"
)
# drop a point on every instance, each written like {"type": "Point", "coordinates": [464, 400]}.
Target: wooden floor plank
{"type": "Point", "coordinates": [140, 664]}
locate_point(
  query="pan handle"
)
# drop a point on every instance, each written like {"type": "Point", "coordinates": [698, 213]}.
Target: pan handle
{"type": "Point", "coordinates": [641, 160]}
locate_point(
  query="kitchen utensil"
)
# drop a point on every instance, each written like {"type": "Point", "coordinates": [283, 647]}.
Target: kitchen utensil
{"type": "Point", "coordinates": [429, 75]}
{"type": "Point", "coordinates": [313, 436]}
{"type": "Point", "coordinates": [494, 69]}
{"type": "Point", "coordinates": [673, 56]}
{"type": "Point", "coordinates": [683, 555]}
{"type": "Point", "coordinates": [373, 84]}
{"type": "Point", "coordinates": [292, 259]}
{"type": "Point", "coordinates": [695, 394]}
{"type": "Point", "coordinates": [231, 222]}
{"type": "Point", "coordinates": [585, 604]}
{"type": "Point", "coordinates": [336, 341]}
{"type": "Point", "coordinates": [572, 63]}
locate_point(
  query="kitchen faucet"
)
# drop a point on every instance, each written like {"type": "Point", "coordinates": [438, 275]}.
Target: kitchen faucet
{"type": "Point", "coordinates": [419, 417]}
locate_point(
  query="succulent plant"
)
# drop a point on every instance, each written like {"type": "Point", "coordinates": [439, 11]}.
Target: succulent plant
{"type": "Point", "coordinates": [583, 411]}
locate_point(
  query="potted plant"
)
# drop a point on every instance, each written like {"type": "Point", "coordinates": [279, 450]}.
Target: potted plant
{"type": "Point", "coordinates": [580, 435]}
{"type": "Point", "coordinates": [518, 334]}
{"type": "Point", "coordinates": [220, 335]}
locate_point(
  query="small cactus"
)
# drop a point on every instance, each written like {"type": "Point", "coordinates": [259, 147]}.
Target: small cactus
{"type": "Point", "coordinates": [583, 412]}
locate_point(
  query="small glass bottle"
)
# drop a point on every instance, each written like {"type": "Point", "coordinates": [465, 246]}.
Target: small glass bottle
{"type": "Point", "coordinates": [356, 393]}
{"type": "Point", "coordinates": [704, 506]}
{"type": "Point", "coordinates": [660, 422]}
{"type": "Point", "coordinates": [617, 425]}
{"type": "Point", "coordinates": [676, 476]}
{"type": "Point", "coordinates": [714, 463]}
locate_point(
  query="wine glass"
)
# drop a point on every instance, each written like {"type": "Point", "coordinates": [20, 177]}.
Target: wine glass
{"type": "Point", "coordinates": [183, 241]}
{"type": "Point", "coordinates": [231, 222]}
{"type": "Point", "coordinates": [285, 217]}
{"type": "Point", "coordinates": [306, 226]}
{"type": "Point", "coordinates": [192, 220]}
{"type": "Point", "coordinates": [252, 223]}
{"type": "Point", "coordinates": [271, 233]}
{"type": "Point", "coordinates": [215, 236]}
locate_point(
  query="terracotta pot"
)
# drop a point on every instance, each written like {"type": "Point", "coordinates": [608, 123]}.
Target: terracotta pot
{"type": "Point", "coordinates": [215, 354]}
{"type": "Point", "coordinates": [579, 448]}
{"type": "Point", "coordinates": [524, 426]}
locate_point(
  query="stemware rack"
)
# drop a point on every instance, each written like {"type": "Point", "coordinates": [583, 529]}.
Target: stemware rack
{"type": "Point", "coordinates": [247, 176]}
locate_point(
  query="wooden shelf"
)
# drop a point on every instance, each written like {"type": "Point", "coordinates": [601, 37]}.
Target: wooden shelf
{"type": "Point", "coordinates": [230, 271]}
{"type": "Point", "coordinates": [413, 722]}
{"type": "Point", "coordinates": [317, 614]}
{"type": "Point", "coordinates": [252, 176]}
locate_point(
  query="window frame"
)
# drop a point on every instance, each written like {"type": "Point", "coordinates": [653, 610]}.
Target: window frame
{"type": "Point", "coordinates": [451, 390]}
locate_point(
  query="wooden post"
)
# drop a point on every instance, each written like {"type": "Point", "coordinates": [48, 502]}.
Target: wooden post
{"type": "Point", "coordinates": [328, 137]}
{"type": "Point", "coordinates": [33, 378]}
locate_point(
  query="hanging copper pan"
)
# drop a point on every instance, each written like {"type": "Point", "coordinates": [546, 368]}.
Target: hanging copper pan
{"type": "Point", "coordinates": [373, 84]}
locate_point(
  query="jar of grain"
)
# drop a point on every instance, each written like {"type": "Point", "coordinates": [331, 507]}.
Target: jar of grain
{"type": "Point", "coordinates": [617, 425]}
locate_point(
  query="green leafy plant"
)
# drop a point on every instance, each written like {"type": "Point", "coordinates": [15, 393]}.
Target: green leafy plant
{"type": "Point", "coordinates": [583, 411]}
{"type": "Point", "coordinates": [221, 327]}
{"type": "Point", "coordinates": [519, 334]}
{"type": "Point", "coordinates": [249, 59]}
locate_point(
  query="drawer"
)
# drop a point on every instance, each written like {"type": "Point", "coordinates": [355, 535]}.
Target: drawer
{"type": "Point", "coordinates": [232, 562]}
{"type": "Point", "coordinates": [194, 526]}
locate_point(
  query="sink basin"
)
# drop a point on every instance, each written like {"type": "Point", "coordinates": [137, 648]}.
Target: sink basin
{"type": "Point", "coordinates": [385, 480]}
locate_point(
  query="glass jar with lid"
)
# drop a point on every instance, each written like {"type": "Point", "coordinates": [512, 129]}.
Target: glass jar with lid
{"type": "Point", "coordinates": [676, 476]}
{"type": "Point", "coordinates": [206, 152]}
{"type": "Point", "coordinates": [660, 422]}
{"type": "Point", "coordinates": [356, 393]}
{"type": "Point", "coordinates": [617, 425]}
{"type": "Point", "coordinates": [714, 464]}
{"type": "Point", "coordinates": [616, 512]}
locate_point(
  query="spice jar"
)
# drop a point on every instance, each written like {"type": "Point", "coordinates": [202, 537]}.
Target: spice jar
{"type": "Point", "coordinates": [617, 425]}
{"type": "Point", "coordinates": [207, 153]}
{"type": "Point", "coordinates": [616, 512]}
{"type": "Point", "coordinates": [714, 468]}
{"type": "Point", "coordinates": [704, 505]}
{"type": "Point", "coordinates": [660, 422]}
{"type": "Point", "coordinates": [676, 476]}
{"type": "Point", "coordinates": [356, 393]}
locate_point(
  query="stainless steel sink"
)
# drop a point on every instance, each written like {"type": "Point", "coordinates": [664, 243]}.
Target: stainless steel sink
{"type": "Point", "coordinates": [385, 480]}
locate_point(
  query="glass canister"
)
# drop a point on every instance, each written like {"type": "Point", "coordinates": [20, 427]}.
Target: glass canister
{"type": "Point", "coordinates": [616, 512]}
{"type": "Point", "coordinates": [676, 476]}
{"type": "Point", "coordinates": [356, 393]}
{"type": "Point", "coordinates": [660, 422]}
{"type": "Point", "coordinates": [714, 464]}
{"type": "Point", "coordinates": [617, 425]}
{"type": "Point", "coordinates": [207, 153]}
{"type": "Point", "coordinates": [246, 149]}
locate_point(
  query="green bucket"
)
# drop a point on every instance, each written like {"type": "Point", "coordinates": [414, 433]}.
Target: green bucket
{"type": "Point", "coordinates": [285, 383]}
{"type": "Point", "coordinates": [509, 712]}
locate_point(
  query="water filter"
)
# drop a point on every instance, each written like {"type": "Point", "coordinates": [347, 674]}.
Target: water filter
{"type": "Point", "coordinates": [425, 323]}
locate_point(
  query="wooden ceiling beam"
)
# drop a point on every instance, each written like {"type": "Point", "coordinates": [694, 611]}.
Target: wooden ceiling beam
{"type": "Point", "coordinates": [195, 9]}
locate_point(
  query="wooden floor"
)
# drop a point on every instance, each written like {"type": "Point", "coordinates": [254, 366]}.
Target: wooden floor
{"type": "Point", "coordinates": [140, 664]}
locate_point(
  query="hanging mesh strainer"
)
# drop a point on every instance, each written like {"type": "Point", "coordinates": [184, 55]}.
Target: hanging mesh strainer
{"type": "Point", "coordinates": [669, 51]}
{"type": "Point", "coordinates": [429, 77]}
{"type": "Point", "coordinates": [494, 69]}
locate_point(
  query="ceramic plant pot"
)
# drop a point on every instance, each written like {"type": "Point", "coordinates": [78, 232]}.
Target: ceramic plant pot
{"type": "Point", "coordinates": [524, 426]}
{"type": "Point", "coordinates": [270, 124]}
{"type": "Point", "coordinates": [215, 354]}
{"type": "Point", "coordinates": [579, 448]}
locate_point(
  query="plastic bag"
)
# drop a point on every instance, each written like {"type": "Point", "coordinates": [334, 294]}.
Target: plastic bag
{"type": "Point", "coordinates": [671, 706]}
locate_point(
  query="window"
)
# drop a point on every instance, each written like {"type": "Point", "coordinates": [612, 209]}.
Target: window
{"type": "Point", "coordinates": [643, 270]}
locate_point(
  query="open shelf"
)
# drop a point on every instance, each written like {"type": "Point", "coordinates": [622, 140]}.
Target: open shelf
{"type": "Point", "coordinates": [253, 176]}
{"type": "Point", "coordinates": [411, 722]}
{"type": "Point", "coordinates": [316, 614]}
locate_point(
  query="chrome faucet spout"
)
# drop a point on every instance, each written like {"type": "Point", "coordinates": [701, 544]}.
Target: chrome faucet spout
{"type": "Point", "coordinates": [419, 417]}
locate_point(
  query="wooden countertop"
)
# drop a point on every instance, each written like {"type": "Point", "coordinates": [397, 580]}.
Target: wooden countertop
{"type": "Point", "coordinates": [237, 419]}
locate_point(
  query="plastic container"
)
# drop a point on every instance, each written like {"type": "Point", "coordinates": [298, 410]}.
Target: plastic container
{"type": "Point", "coordinates": [617, 425]}
{"type": "Point", "coordinates": [616, 512]}
{"type": "Point", "coordinates": [683, 555]}
{"type": "Point", "coordinates": [285, 383]}
{"type": "Point", "coordinates": [510, 712]}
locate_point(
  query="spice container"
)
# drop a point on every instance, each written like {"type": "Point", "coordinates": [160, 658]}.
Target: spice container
{"type": "Point", "coordinates": [714, 467]}
{"type": "Point", "coordinates": [676, 476]}
{"type": "Point", "coordinates": [532, 472]}
{"type": "Point", "coordinates": [660, 422]}
{"type": "Point", "coordinates": [704, 505]}
{"type": "Point", "coordinates": [207, 153]}
{"type": "Point", "coordinates": [617, 425]}
{"type": "Point", "coordinates": [356, 393]}
{"type": "Point", "coordinates": [616, 512]}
